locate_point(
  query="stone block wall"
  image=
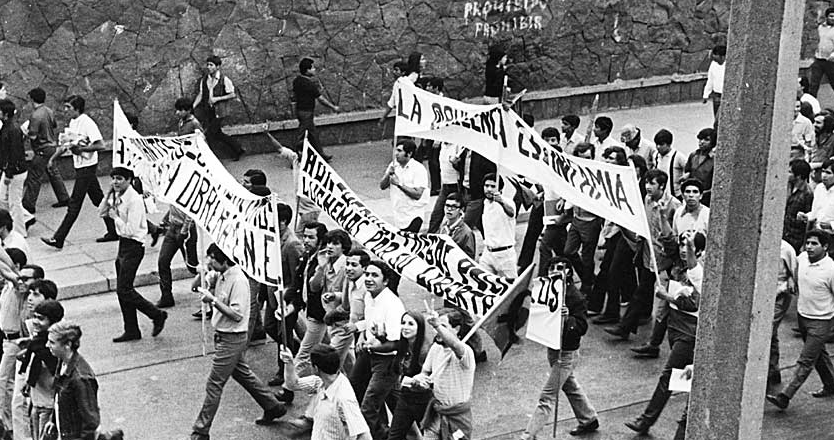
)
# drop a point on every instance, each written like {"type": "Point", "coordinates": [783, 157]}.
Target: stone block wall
{"type": "Point", "coordinates": [147, 53]}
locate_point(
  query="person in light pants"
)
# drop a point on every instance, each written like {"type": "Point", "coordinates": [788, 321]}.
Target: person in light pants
{"type": "Point", "coordinates": [13, 166]}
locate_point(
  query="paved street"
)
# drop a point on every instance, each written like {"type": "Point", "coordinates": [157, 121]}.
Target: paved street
{"type": "Point", "coordinates": [153, 388]}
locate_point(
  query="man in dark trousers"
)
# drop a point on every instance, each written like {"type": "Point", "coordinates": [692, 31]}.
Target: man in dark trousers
{"type": "Point", "coordinates": [43, 140]}
{"type": "Point", "coordinates": [125, 206]}
{"type": "Point", "coordinates": [213, 96]}
{"type": "Point", "coordinates": [307, 90]}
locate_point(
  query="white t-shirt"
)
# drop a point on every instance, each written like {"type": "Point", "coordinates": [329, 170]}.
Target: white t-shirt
{"type": "Point", "coordinates": [85, 126]}
{"type": "Point", "coordinates": [406, 209]}
{"type": "Point", "coordinates": [499, 228]}
{"type": "Point", "coordinates": [448, 173]}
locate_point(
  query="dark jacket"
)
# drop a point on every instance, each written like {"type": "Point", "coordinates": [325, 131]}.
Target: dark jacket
{"type": "Point", "coordinates": [478, 168]}
{"type": "Point", "coordinates": [295, 294]}
{"type": "Point", "coordinates": [12, 157]}
{"type": "Point", "coordinates": [39, 356]}
{"type": "Point", "coordinates": [76, 392]}
{"type": "Point", "coordinates": [576, 324]}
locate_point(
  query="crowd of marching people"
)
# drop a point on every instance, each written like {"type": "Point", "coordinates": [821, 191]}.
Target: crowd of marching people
{"type": "Point", "coordinates": [375, 369]}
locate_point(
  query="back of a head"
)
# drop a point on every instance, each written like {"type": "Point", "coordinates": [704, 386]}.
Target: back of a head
{"type": "Point", "coordinates": [7, 107]}
{"type": "Point", "coordinates": [6, 219]}
{"type": "Point", "coordinates": [437, 83]}
{"type": "Point", "coordinates": [496, 52]}
{"type": "Point", "coordinates": [260, 190]}
{"type": "Point", "coordinates": [720, 50]}
{"type": "Point", "coordinates": [529, 119]}
{"type": "Point", "coordinates": [38, 95]}
{"type": "Point", "coordinates": [17, 256]}
{"type": "Point", "coordinates": [325, 358]}
{"type": "Point", "coordinates": [183, 104]}
{"type": "Point", "coordinates": [304, 65]}
{"type": "Point", "coordinates": [413, 63]}
{"type": "Point", "coordinates": [284, 213]}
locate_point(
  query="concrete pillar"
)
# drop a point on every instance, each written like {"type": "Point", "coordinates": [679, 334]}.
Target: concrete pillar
{"type": "Point", "coordinates": [748, 202]}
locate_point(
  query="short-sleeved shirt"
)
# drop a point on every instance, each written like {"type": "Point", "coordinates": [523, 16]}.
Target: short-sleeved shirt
{"type": "Point", "coordinates": [42, 128]}
{"type": "Point", "coordinates": [85, 126]}
{"type": "Point", "coordinates": [452, 378]}
{"type": "Point", "coordinates": [306, 92]}
{"type": "Point", "coordinates": [499, 228]}
{"type": "Point", "coordinates": [233, 290]}
{"type": "Point", "coordinates": [394, 98]}
{"type": "Point", "coordinates": [406, 209]}
{"type": "Point", "coordinates": [822, 208]}
{"type": "Point", "coordinates": [384, 312]}
{"type": "Point", "coordinates": [336, 415]}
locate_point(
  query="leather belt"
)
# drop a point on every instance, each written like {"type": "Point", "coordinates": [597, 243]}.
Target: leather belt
{"type": "Point", "coordinates": [499, 249]}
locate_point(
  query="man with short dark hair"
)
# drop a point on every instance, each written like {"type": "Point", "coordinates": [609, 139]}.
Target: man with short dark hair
{"type": "Point", "coordinates": [821, 215]}
{"type": "Point", "coordinates": [823, 64]}
{"type": "Point", "coordinates": [701, 162]}
{"type": "Point", "coordinates": [670, 160]}
{"type": "Point", "coordinates": [187, 123]}
{"type": "Point", "coordinates": [570, 134]}
{"type": "Point", "coordinates": [454, 226]}
{"type": "Point", "coordinates": [13, 166]}
{"type": "Point", "coordinates": [714, 86]}
{"type": "Point", "coordinates": [603, 126]}
{"type": "Point", "coordinates": [815, 313]}
{"type": "Point", "coordinates": [83, 138]}
{"type": "Point", "coordinates": [214, 94]}
{"type": "Point", "coordinates": [348, 308]}
{"type": "Point", "coordinates": [409, 185]}
{"type": "Point", "coordinates": [336, 415]}
{"type": "Point", "coordinates": [42, 139]}
{"type": "Point", "coordinates": [306, 91]}
{"type": "Point", "coordinates": [230, 298]}
{"type": "Point", "coordinates": [800, 200]}
{"type": "Point", "coordinates": [125, 206]}
{"type": "Point", "coordinates": [499, 255]}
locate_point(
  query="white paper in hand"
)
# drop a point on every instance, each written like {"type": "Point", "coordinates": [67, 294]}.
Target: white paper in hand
{"type": "Point", "coordinates": [678, 382]}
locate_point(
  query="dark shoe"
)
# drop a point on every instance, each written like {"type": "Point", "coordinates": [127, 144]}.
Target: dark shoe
{"type": "Point", "coordinates": [606, 320]}
{"type": "Point", "coordinates": [780, 400]}
{"type": "Point", "coordinates": [646, 351]}
{"type": "Point", "coordinates": [198, 436]}
{"type": "Point", "coordinates": [126, 337]}
{"type": "Point", "coordinates": [271, 415]}
{"type": "Point", "coordinates": [106, 238]}
{"type": "Point", "coordinates": [286, 396]}
{"type": "Point", "coordinates": [165, 303]}
{"type": "Point", "coordinates": [585, 429]}
{"type": "Point", "coordinates": [481, 357]}
{"type": "Point", "coordinates": [618, 332]}
{"type": "Point", "coordinates": [116, 434]}
{"type": "Point", "coordinates": [29, 223]}
{"type": "Point", "coordinates": [53, 242]}
{"type": "Point", "coordinates": [159, 324]}
{"type": "Point", "coordinates": [276, 380]}
{"type": "Point", "coordinates": [823, 392]}
{"type": "Point", "coordinates": [638, 425]}
{"type": "Point", "coordinates": [61, 204]}
{"type": "Point", "coordinates": [155, 235]}
{"type": "Point", "coordinates": [199, 314]}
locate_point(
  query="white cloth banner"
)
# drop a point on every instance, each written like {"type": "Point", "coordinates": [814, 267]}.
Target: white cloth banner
{"type": "Point", "coordinates": [547, 297]}
{"type": "Point", "coordinates": [432, 261]}
{"type": "Point", "coordinates": [609, 191]}
{"type": "Point", "coordinates": [182, 171]}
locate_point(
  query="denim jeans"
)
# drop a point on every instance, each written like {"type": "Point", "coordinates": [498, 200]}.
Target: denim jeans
{"type": "Point", "coordinates": [21, 425]}
{"type": "Point", "coordinates": [229, 361]}
{"type": "Point", "coordinates": [129, 257]}
{"type": "Point", "coordinates": [40, 416]}
{"type": "Point", "coordinates": [680, 355]}
{"type": "Point", "coordinates": [7, 373]}
{"type": "Point", "coordinates": [814, 354]}
{"type": "Point", "coordinates": [410, 408]}
{"type": "Point", "coordinates": [561, 378]}
{"type": "Point", "coordinates": [316, 333]}
{"type": "Point", "coordinates": [86, 184]}
{"type": "Point", "coordinates": [32, 186]}
{"type": "Point", "coordinates": [373, 377]}
{"type": "Point", "coordinates": [783, 303]}
{"type": "Point", "coordinates": [171, 243]}
{"type": "Point", "coordinates": [342, 341]}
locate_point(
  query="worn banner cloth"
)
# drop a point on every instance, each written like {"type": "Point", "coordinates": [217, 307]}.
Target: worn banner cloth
{"type": "Point", "coordinates": [432, 261]}
{"type": "Point", "coordinates": [609, 191]}
{"type": "Point", "coordinates": [182, 171]}
{"type": "Point", "coordinates": [547, 297]}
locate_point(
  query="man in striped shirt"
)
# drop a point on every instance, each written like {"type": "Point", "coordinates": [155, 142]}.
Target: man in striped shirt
{"type": "Point", "coordinates": [336, 415]}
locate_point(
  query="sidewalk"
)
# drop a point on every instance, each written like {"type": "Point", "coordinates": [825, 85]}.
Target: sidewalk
{"type": "Point", "coordinates": [85, 267]}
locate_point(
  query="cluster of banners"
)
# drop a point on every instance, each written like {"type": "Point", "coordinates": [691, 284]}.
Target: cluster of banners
{"type": "Point", "coordinates": [609, 191]}
{"type": "Point", "coordinates": [183, 172]}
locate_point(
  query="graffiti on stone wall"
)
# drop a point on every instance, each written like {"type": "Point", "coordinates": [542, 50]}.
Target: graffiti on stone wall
{"type": "Point", "coordinates": [488, 18]}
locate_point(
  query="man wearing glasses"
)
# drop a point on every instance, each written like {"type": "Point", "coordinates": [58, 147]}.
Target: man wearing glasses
{"type": "Point", "coordinates": [454, 227]}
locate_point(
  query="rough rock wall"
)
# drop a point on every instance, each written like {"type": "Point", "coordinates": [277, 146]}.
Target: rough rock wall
{"type": "Point", "coordinates": [147, 53]}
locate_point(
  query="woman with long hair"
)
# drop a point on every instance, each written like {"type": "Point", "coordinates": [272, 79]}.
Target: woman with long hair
{"type": "Point", "coordinates": [411, 402]}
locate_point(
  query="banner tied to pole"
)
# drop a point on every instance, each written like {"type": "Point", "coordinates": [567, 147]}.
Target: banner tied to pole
{"type": "Point", "coordinates": [432, 261]}
{"type": "Point", "coordinates": [607, 190]}
{"type": "Point", "coordinates": [183, 172]}
{"type": "Point", "coordinates": [547, 298]}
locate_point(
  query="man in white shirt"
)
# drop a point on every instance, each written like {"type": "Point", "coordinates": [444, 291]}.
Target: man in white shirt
{"type": "Point", "coordinates": [603, 126]}
{"type": "Point", "coordinates": [815, 314]}
{"type": "Point", "coordinates": [803, 85]}
{"type": "Point", "coordinates": [374, 376]}
{"type": "Point", "coordinates": [692, 215]}
{"type": "Point", "coordinates": [9, 237]}
{"type": "Point", "coordinates": [499, 255]}
{"type": "Point", "coordinates": [570, 134]}
{"type": "Point", "coordinates": [83, 138]}
{"type": "Point", "coordinates": [822, 209]}
{"type": "Point", "coordinates": [802, 132]}
{"type": "Point", "coordinates": [125, 206]}
{"type": "Point", "coordinates": [670, 160]}
{"type": "Point", "coordinates": [715, 78]}
{"type": "Point", "coordinates": [409, 184]}
{"type": "Point", "coordinates": [824, 56]}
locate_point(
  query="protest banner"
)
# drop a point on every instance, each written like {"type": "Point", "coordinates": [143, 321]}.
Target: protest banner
{"type": "Point", "coordinates": [607, 190]}
{"type": "Point", "coordinates": [182, 171]}
{"type": "Point", "coordinates": [432, 261]}
{"type": "Point", "coordinates": [547, 297]}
